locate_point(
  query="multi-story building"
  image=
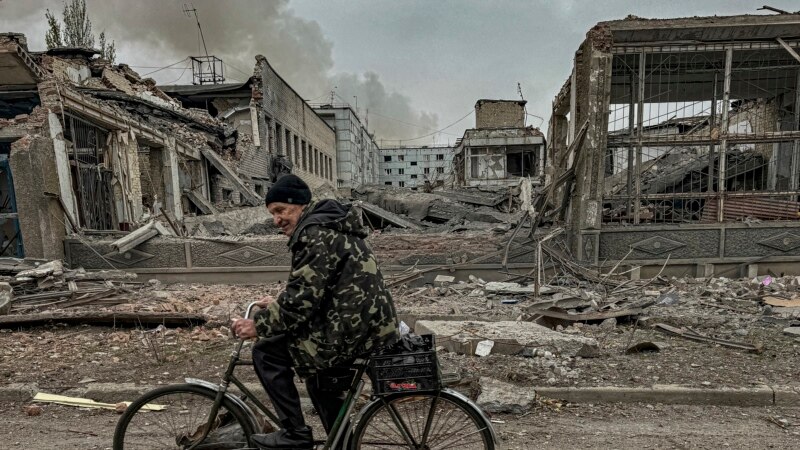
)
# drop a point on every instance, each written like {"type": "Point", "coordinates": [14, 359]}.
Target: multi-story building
{"type": "Point", "coordinates": [413, 166]}
{"type": "Point", "coordinates": [356, 150]}
{"type": "Point", "coordinates": [500, 149]}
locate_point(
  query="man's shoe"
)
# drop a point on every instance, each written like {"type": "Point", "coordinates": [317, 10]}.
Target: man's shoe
{"type": "Point", "coordinates": [299, 439]}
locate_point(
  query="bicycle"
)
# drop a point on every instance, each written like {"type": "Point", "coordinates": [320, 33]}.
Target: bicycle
{"type": "Point", "coordinates": [408, 408]}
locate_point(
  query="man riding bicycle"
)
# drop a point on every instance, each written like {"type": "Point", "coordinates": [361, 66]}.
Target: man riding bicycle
{"type": "Point", "coordinates": [334, 309]}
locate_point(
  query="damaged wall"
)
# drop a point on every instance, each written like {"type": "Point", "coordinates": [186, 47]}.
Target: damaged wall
{"type": "Point", "coordinates": [500, 113]}
{"type": "Point", "coordinates": [41, 219]}
{"type": "Point", "coordinates": [312, 144]}
{"type": "Point", "coordinates": [681, 141]}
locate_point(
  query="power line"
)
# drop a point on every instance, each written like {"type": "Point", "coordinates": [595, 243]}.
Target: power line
{"type": "Point", "coordinates": [408, 123]}
{"type": "Point", "coordinates": [165, 67]}
{"type": "Point", "coordinates": [248, 75]}
{"type": "Point", "coordinates": [435, 132]}
{"type": "Point", "coordinates": [179, 76]}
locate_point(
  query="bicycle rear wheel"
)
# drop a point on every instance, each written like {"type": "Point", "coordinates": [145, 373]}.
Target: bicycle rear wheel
{"type": "Point", "coordinates": [181, 422]}
{"type": "Point", "coordinates": [434, 421]}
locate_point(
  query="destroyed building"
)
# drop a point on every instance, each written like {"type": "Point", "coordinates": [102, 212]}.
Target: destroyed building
{"type": "Point", "coordinates": [414, 166]}
{"type": "Point", "coordinates": [273, 128]}
{"type": "Point", "coordinates": [92, 147]}
{"type": "Point", "coordinates": [356, 149]}
{"type": "Point", "coordinates": [500, 149]}
{"type": "Point", "coordinates": [677, 141]}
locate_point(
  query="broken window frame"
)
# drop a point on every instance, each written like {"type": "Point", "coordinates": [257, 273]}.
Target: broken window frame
{"type": "Point", "coordinates": [718, 111]}
{"type": "Point", "coordinates": [87, 147]}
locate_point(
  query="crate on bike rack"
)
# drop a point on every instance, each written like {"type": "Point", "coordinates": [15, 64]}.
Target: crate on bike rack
{"type": "Point", "coordinates": [416, 371]}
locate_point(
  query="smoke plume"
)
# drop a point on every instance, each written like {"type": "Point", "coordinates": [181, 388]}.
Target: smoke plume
{"type": "Point", "coordinates": [150, 34]}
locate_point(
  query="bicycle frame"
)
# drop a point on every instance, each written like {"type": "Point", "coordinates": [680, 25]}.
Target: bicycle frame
{"type": "Point", "coordinates": [339, 427]}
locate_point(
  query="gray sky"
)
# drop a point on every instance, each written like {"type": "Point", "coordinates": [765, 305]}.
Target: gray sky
{"type": "Point", "coordinates": [418, 65]}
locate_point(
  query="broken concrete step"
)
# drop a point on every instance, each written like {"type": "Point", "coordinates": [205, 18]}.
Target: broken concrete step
{"type": "Point", "coordinates": [499, 397]}
{"type": "Point", "coordinates": [509, 337]}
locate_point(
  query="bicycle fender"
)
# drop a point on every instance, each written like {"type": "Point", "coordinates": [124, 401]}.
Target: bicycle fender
{"type": "Point", "coordinates": [475, 408]}
{"type": "Point", "coordinates": [251, 416]}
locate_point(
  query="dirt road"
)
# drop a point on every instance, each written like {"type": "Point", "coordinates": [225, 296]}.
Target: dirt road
{"type": "Point", "coordinates": [571, 426]}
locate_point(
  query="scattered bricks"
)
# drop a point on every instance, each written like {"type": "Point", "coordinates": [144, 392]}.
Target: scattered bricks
{"type": "Point", "coordinates": [499, 397]}
{"type": "Point", "coordinates": [33, 410]}
{"type": "Point", "coordinates": [509, 337]}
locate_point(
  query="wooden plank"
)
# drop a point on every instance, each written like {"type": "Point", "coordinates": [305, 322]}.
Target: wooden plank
{"type": "Point", "coordinates": [697, 337]}
{"type": "Point", "coordinates": [134, 238]}
{"type": "Point", "coordinates": [602, 315]}
{"type": "Point", "coordinates": [788, 49]}
{"type": "Point", "coordinates": [104, 318]}
{"type": "Point", "coordinates": [782, 302]}
{"type": "Point", "coordinates": [43, 397]}
{"type": "Point", "coordinates": [387, 216]}
{"type": "Point", "coordinates": [200, 202]}
{"type": "Point", "coordinates": [250, 197]}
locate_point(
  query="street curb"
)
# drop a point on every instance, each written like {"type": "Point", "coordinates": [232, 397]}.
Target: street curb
{"type": "Point", "coordinates": [17, 392]}
{"type": "Point", "coordinates": [665, 394]}
{"type": "Point", "coordinates": [787, 396]}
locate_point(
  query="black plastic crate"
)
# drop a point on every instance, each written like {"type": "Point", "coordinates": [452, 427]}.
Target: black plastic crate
{"type": "Point", "coordinates": [406, 372]}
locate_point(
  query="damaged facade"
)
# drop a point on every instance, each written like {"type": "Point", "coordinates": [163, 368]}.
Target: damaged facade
{"type": "Point", "coordinates": [500, 149]}
{"type": "Point", "coordinates": [356, 149]}
{"type": "Point", "coordinates": [678, 140]}
{"type": "Point", "coordinates": [91, 147]}
{"type": "Point", "coordinates": [415, 166]}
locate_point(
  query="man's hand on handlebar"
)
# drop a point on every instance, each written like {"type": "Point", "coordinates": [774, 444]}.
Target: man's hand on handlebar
{"type": "Point", "coordinates": [244, 328]}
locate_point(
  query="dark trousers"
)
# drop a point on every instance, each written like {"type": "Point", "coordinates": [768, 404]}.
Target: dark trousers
{"type": "Point", "coordinates": [273, 366]}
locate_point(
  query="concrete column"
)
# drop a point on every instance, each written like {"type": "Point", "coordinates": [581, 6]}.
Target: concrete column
{"type": "Point", "coordinates": [172, 188]}
{"type": "Point", "coordinates": [41, 219]}
{"type": "Point", "coordinates": [590, 164]}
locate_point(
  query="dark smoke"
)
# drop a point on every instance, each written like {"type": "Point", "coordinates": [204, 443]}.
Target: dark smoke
{"type": "Point", "coordinates": [157, 33]}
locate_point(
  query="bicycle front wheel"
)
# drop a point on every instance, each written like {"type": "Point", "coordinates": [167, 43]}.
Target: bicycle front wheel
{"type": "Point", "coordinates": [434, 421]}
{"type": "Point", "coordinates": [176, 417]}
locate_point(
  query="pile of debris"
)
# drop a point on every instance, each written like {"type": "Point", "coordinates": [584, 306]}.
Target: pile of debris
{"type": "Point", "coordinates": [27, 286]}
{"type": "Point", "coordinates": [36, 292]}
{"type": "Point", "coordinates": [485, 208]}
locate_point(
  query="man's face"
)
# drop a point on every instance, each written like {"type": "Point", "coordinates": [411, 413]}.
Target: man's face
{"type": "Point", "coordinates": [285, 215]}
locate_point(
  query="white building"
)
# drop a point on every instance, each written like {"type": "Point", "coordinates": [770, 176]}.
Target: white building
{"type": "Point", "coordinates": [356, 150]}
{"type": "Point", "coordinates": [412, 166]}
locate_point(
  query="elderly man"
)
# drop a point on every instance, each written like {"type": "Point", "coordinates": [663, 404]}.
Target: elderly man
{"type": "Point", "coordinates": [335, 308]}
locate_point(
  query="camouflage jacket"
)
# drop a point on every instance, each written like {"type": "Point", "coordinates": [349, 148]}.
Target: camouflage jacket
{"type": "Point", "coordinates": [336, 305]}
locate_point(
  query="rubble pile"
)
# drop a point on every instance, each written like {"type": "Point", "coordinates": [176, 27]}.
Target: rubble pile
{"type": "Point", "coordinates": [445, 209]}
{"type": "Point", "coordinates": [28, 287]}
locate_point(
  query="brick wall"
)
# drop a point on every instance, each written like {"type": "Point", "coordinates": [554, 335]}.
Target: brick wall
{"type": "Point", "coordinates": [499, 114]}
{"type": "Point", "coordinates": [286, 111]}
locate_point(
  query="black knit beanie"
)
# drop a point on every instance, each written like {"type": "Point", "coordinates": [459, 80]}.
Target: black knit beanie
{"type": "Point", "coordinates": [289, 189]}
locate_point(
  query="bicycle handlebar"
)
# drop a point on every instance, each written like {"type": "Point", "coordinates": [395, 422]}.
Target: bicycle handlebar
{"type": "Point", "coordinates": [249, 309]}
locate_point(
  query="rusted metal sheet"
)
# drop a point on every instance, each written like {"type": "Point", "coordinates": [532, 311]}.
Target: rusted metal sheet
{"type": "Point", "coordinates": [736, 208]}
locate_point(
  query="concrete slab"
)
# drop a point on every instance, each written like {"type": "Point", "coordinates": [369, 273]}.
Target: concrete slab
{"type": "Point", "coordinates": [17, 392]}
{"type": "Point", "coordinates": [509, 337]}
{"type": "Point", "coordinates": [666, 394]}
{"type": "Point", "coordinates": [499, 397]}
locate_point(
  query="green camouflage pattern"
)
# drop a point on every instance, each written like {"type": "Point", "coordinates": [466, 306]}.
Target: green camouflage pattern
{"type": "Point", "coordinates": [336, 305]}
